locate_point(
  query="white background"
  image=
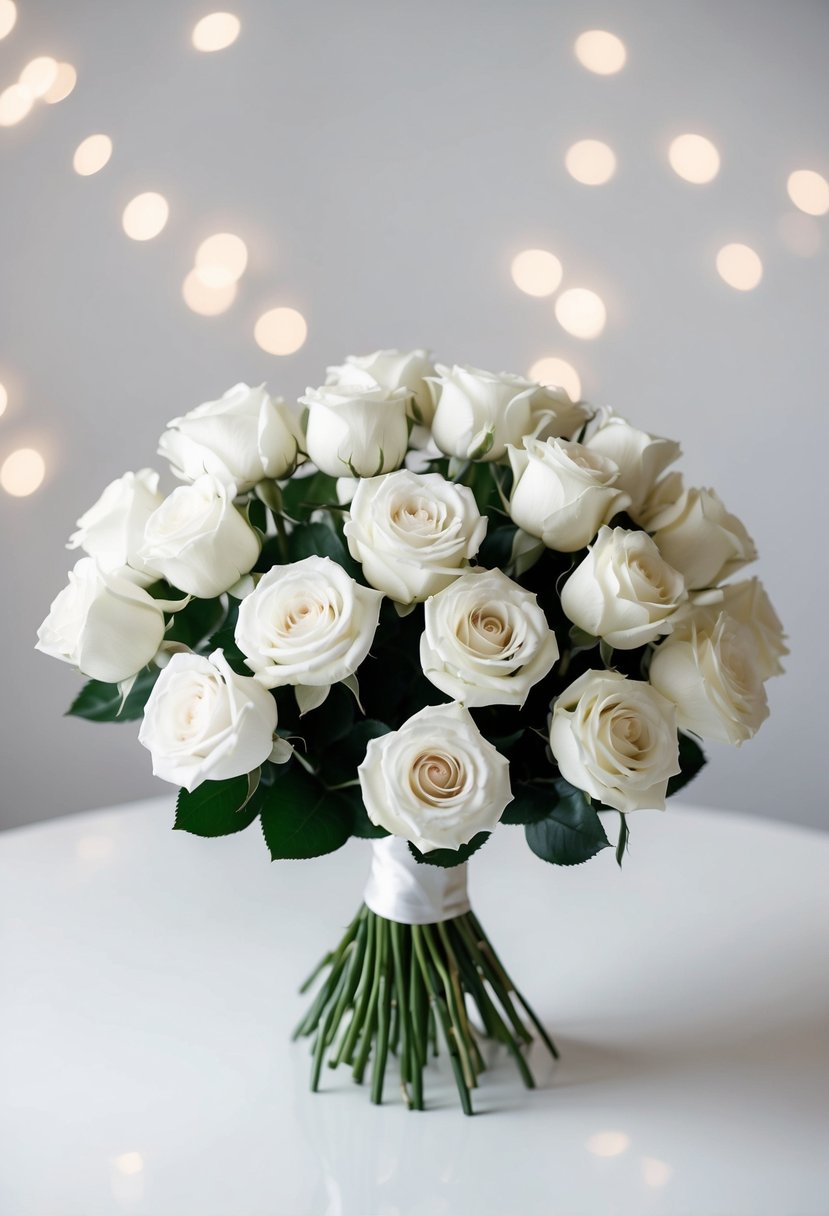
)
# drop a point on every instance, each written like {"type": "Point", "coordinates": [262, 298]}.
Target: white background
{"type": "Point", "coordinates": [384, 162]}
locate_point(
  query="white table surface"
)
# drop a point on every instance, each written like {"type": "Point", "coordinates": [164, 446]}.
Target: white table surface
{"type": "Point", "coordinates": [148, 989]}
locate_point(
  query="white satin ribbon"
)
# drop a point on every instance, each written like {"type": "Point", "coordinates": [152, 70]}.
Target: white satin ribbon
{"type": "Point", "coordinates": [402, 889]}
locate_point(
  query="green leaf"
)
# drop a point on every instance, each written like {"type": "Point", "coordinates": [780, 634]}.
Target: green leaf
{"type": "Point", "coordinates": [302, 495]}
{"type": "Point", "coordinates": [320, 540]}
{"type": "Point", "coordinates": [691, 758]}
{"type": "Point", "coordinates": [624, 837]}
{"type": "Point", "coordinates": [342, 760]}
{"type": "Point", "coordinates": [449, 857]}
{"type": "Point", "coordinates": [496, 549]}
{"type": "Point", "coordinates": [530, 804]}
{"type": "Point", "coordinates": [300, 818]}
{"type": "Point", "coordinates": [195, 622]}
{"type": "Point", "coordinates": [361, 825]}
{"type": "Point", "coordinates": [217, 808]}
{"type": "Point", "coordinates": [571, 833]}
{"type": "Point", "coordinates": [257, 514]}
{"type": "Point", "coordinates": [99, 702]}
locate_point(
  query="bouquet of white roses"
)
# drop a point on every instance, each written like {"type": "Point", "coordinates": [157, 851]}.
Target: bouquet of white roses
{"type": "Point", "coordinates": [428, 601]}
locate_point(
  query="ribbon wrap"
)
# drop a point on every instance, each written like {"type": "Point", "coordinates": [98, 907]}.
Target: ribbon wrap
{"type": "Point", "coordinates": [410, 892]}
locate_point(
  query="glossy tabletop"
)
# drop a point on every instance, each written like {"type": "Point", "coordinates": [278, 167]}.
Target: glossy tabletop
{"type": "Point", "coordinates": [149, 987]}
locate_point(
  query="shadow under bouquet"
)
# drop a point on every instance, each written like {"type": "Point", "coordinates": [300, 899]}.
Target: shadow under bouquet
{"type": "Point", "coordinates": [426, 602]}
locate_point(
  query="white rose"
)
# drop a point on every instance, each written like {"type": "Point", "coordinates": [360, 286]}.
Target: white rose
{"type": "Point", "coordinates": [666, 493]}
{"type": "Point", "coordinates": [616, 739]}
{"type": "Point", "coordinates": [641, 458]}
{"type": "Point", "coordinates": [624, 591]}
{"type": "Point", "coordinates": [562, 492]}
{"type": "Point", "coordinates": [202, 722]}
{"type": "Point", "coordinates": [412, 532]}
{"type": "Point", "coordinates": [478, 413]}
{"type": "Point", "coordinates": [103, 624]}
{"type": "Point", "coordinates": [748, 603]}
{"type": "Point", "coordinates": [485, 640]}
{"type": "Point", "coordinates": [308, 624]}
{"type": "Point", "coordinates": [554, 415]}
{"type": "Point", "coordinates": [712, 676]}
{"type": "Point", "coordinates": [356, 430]}
{"type": "Point", "coordinates": [393, 369]}
{"type": "Point", "coordinates": [697, 536]}
{"type": "Point", "coordinates": [242, 438]}
{"type": "Point", "coordinates": [198, 540]}
{"type": "Point", "coordinates": [112, 530]}
{"type": "Point", "coordinates": [437, 781]}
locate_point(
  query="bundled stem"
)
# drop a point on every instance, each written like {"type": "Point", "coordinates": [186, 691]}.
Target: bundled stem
{"type": "Point", "coordinates": [392, 988]}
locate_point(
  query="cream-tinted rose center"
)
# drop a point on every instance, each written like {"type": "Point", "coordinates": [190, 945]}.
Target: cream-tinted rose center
{"type": "Point", "coordinates": [436, 776]}
{"type": "Point", "coordinates": [302, 614]}
{"type": "Point", "coordinates": [631, 737]}
{"type": "Point", "coordinates": [416, 515]}
{"type": "Point", "coordinates": [485, 631]}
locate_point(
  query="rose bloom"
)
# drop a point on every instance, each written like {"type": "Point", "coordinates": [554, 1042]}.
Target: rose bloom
{"type": "Point", "coordinates": [641, 458]}
{"type": "Point", "coordinates": [478, 413]}
{"type": "Point", "coordinates": [413, 532]}
{"type": "Point", "coordinates": [624, 591]}
{"type": "Point", "coordinates": [103, 624]}
{"type": "Point", "coordinates": [563, 492]}
{"type": "Point", "coordinates": [356, 430]}
{"type": "Point", "coordinates": [308, 624]}
{"type": "Point", "coordinates": [392, 370]}
{"type": "Point", "coordinates": [700, 538]}
{"type": "Point", "coordinates": [242, 438]}
{"type": "Point", "coordinates": [437, 781]}
{"type": "Point", "coordinates": [713, 675]}
{"type": "Point", "coordinates": [112, 530]}
{"type": "Point", "coordinates": [616, 739]}
{"type": "Point", "coordinates": [748, 603]}
{"type": "Point", "coordinates": [203, 722]}
{"type": "Point", "coordinates": [198, 540]}
{"type": "Point", "coordinates": [554, 415]}
{"type": "Point", "coordinates": [485, 640]}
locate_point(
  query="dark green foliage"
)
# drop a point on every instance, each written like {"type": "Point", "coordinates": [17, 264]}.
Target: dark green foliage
{"type": "Point", "coordinates": [216, 808]}
{"type": "Point", "coordinates": [447, 858]}
{"type": "Point", "coordinates": [692, 759]}
{"type": "Point", "coordinates": [99, 702]}
{"type": "Point", "coordinates": [300, 817]}
{"type": "Point", "coordinates": [571, 833]}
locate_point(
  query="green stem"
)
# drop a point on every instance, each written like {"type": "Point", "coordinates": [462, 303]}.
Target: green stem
{"type": "Point", "coordinates": [392, 988]}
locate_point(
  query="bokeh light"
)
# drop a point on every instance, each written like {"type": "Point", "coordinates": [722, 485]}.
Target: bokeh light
{"type": "Point", "coordinates": [221, 259]}
{"type": "Point", "coordinates": [656, 1173]}
{"type": "Point", "coordinates": [800, 234]}
{"type": "Point", "coordinates": [590, 162]}
{"type": "Point", "coordinates": [536, 272]}
{"type": "Point", "coordinates": [608, 1144]}
{"type": "Point", "coordinates": [694, 158]}
{"type": "Point", "coordinates": [8, 17]}
{"type": "Point", "coordinates": [581, 312]}
{"type": "Point", "coordinates": [15, 103]}
{"type": "Point", "coordinates": [601, 52]}
{"type": "Point", "coordinates": [145, 216]}
{"type": "Point", "coordinates": [216, 31]}
{"type": "Point", "coordinates": [4, 399]}
{"type": "Point", "coordinates": [281, 331]}
{"type": "Point", "coordinates": [556, 372]}
{"type": "Point", "coordinates": [63, 84]}
{"type": "Point", "coordinates": [129, 1163]}
{"type": "Point", "coordinates": [206, 300]}
{"type": "Point", "coordinates": [92, 154]}
{"type": "Point", "coordinates": [809, 191]}
{"type": "Point", "coordinates": [22, 472]}
{"type": "Point", "coordinates": [39, 75]}
{"type": "Point", "coordinates": [739, 266]}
